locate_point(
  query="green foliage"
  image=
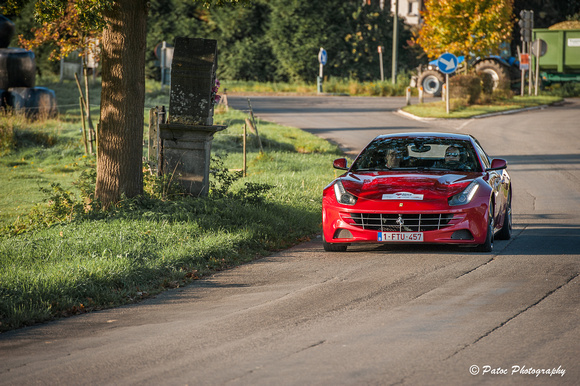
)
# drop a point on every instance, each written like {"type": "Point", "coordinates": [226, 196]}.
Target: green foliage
{"type": "Point", "coordinates": [466, 87]}
{"type": "Point", "coordinates": [66, 26]}
{"type": "Point", "coordinates": [349, 31]}
{"type": "Point", "coordinates": [332, 85]}
{"type": "Point", "coordinates": [244, 51]}
{"type": "Point", "coordinates": [90, 12]}
{"type": "Point", "coordinates": [167, 20]}
{"type": "Point", "coordinates": [299, 28]}
{"type": "Point", "coordinates": [223, 180]}
{"type": "Point", "coordinates": [370, 28]}
{"type": "Point", "coordinates": [486, 83]}
{"type": "Point", "coordinates": [565, 90]}
{"type": "Point", "coordinates": [269, 40]}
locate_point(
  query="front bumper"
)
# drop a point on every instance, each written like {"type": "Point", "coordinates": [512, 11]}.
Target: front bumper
{"type": "Point", "coordinates": [362, 223]}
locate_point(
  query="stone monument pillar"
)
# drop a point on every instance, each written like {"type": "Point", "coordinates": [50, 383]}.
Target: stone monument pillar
{"type": "Point", "coordinates": [186, 137]}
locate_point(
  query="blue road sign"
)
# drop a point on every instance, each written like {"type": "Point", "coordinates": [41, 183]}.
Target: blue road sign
{"type": "Point", "coordinates": [447, 63]}
{"type": "Point", "coordinates": [322, 56]}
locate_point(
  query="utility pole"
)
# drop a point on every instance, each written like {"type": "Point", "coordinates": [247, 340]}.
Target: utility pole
{"type": "Point", "coordinates": [381, 49]}
{"type": "Point", "coordinates": [395, 40]}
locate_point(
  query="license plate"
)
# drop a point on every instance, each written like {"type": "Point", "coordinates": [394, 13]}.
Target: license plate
{"type": "Point", "coordinates": [401, 236]}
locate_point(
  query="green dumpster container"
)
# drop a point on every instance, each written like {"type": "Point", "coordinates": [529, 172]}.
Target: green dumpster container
{"type": "Point", "coordinates": [561, 63]}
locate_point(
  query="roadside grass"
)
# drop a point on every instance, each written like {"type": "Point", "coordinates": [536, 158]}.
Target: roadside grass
{"type": "Point", "coordinates": [438, 109]}
{"type": "Point", "coordinates": [39, 153]}
{"type": "Point", "coordinates": [53, 267]}
{"type": "Point", "coordinates": [329, 86]}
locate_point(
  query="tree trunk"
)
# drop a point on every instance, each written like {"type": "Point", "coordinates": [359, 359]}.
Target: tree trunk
{"type": "Point", "coordinates": [120, 132]}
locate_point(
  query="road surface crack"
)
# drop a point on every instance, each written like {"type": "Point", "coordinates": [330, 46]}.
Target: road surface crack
{"type": "Point", "coordinates": [311, 346]}
{"type": "Point", "coordinates": [495, 256]}
{"type": "Point", "coordinates": [514, 316]}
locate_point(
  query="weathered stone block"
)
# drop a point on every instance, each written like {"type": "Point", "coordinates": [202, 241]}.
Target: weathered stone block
{"type": "Point", "coordinates": [193, 75]}
{"type": "Point", "coordinates": [186, 154]}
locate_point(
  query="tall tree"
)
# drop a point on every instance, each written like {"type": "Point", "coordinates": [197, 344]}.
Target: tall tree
{"type": "Point", "coordinates": [168, 19]}
{"type": "Point", "coordinates": [120, 132]}
{"type": "Point", "coordinates": [465, 27]}
{"type": "Point", "coordinates": [299, 28]}
{"type": "Point", "coordinates": [245, 53]}
{"type": "Point", "coordinates": [371, 27]}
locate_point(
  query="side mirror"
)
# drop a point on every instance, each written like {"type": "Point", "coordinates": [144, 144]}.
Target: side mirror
{"type": "Point", "coordinates": [340, 163]}
{"type": "Point", "coordinates": [498, 164]}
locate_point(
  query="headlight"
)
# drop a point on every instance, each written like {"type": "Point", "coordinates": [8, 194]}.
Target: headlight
{"type": "Point", "coordinates": [465, 196]}
{"type": "Point", "coordinates": [342, 196]}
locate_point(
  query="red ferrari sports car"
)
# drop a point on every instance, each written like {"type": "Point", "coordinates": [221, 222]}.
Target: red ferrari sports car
{"type": "Point", "coordinates": [419, 188]}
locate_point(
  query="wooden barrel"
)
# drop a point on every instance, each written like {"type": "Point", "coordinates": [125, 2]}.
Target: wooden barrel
{"type": "Point", "coordinates": [17, 68]}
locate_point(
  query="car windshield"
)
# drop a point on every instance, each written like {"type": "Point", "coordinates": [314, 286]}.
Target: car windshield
{"type": "Point", "coordinates": [418, 154]}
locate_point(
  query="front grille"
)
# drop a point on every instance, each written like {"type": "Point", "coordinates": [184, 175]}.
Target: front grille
{"type": "Point", "coordinates": [401, 223]}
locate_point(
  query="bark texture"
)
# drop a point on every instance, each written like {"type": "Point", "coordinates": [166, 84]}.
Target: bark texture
{"type": "Point", "coordinates": [120, 132]}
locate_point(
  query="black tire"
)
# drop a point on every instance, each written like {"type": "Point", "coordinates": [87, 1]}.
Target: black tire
{"type": "Point", "coordinates": [333, 247]}
{"type": "Point", "coordinates": [17, 68]}
{"type": "Point", "coordinates": [487, 246]}
{"type": "Point", "coordinates": [505, 232]}
{"type": "Point", "coordinates": [432, 82]}
{"type": "Point", "coordinates": [499, 73]}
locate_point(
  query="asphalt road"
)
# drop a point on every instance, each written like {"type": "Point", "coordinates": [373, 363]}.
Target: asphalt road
{"type": "Point", "coordinates": [383, 315]}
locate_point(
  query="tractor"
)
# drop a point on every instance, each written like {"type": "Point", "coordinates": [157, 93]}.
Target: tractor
{"type": "Point", "coordinates": [502, 71]}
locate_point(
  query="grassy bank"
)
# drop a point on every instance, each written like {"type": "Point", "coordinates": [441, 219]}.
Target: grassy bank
{"type": "Point", "coordinates": [82, 261]}
{"type": "Point", "coordinates": [438, 109]}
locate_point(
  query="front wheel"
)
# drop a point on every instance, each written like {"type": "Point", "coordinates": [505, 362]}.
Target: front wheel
{"type": "Point", "coordinates": [506, 230]}
{"type": "Point", "coordinates": [333, 247]}
{"type": "Point", "coordinates": [487, 246]}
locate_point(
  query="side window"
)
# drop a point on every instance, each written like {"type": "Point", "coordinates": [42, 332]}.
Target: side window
{"type": "Point", "coordinates": [484, 157]}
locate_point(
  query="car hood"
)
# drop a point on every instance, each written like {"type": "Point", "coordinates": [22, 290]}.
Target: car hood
{"type": "Point", "coordinates": [406, 186]}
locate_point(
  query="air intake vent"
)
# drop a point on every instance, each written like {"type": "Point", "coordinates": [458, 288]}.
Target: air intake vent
{"type": "Point", "coordinates": [401, 223]}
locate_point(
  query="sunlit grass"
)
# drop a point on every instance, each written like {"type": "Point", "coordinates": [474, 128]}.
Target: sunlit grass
{"type": "Point", "coordinates": [329, 86]}
{"type": "Point", "coordinates": [438, 109]}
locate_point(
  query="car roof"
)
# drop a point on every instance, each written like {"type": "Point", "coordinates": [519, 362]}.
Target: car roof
{"type": "Point", "coordinates": [464, 137]}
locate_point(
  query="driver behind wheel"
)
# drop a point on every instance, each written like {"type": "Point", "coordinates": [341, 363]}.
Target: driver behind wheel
{"type": "Point", "coordinates": [452, 157]}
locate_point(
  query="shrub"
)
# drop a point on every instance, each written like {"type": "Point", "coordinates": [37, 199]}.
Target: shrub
{"type": "Point", "coordinates": [565, 90]}
{"type": "Point", "coordinates": [465, 87]}
{"type": "Point", "coordinates": [486, 83]}
{"type": "Point", "coordinates": [500, 94]}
